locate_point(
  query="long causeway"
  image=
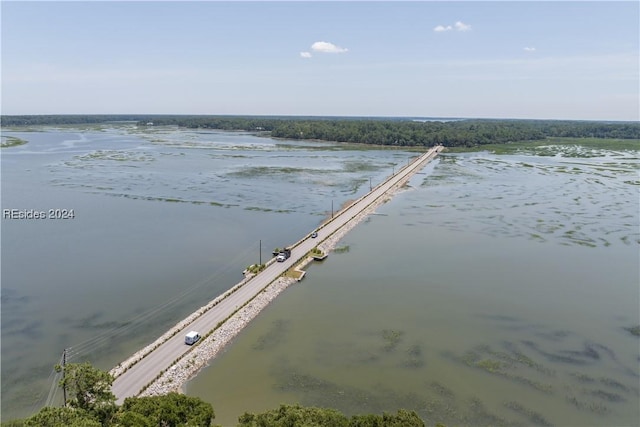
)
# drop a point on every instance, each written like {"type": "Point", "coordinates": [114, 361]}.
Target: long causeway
{"type": "Point", "coordinates": [132, 381]}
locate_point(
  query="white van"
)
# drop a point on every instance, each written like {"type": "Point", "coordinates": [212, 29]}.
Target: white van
{"type": "Point", "coordinates": [191, 338]}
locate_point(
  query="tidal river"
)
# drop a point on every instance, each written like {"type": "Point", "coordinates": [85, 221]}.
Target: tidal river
{"type": "Point", "coordinates": [495, 290]}
{"type": "Point", "coordinates": [158, 222]}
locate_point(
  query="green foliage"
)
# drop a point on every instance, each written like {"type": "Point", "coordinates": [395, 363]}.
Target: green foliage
{"type": "Point", "coordinates": [292, 416]}
{"type": "Point", "coordinates": [403, 418]}
{"type": "Point", "coordinates": [399, 132]}
{"type": "Point", "coordinates": [299, 416]}
{"type": "Point", "coordinates": [635, 330]}
{"type": "Point", "coordinates": [132, 419]}
{"type": "Point", "coordinates": [171, 410]}
{"type": "Point", "coordinates": [89, 389]}
{"type": "Point", "coordinates": [315, 252]}
{"type": "Point", "coordinates": [341, 249]}
{"type": "Point", "coordinates": [256, 268]}
{"type": "Point", "coordinates": [391, 339]}
{"type": "Point", "coordinates": [13, 423]}
{"type": "Point", "coordinates": [11, 141]}
{"type": "Point", "coordinates": [62, 417]}
{"type": "Point", "coordinates": [407, 133]}
{"type": "Point", "coordinates": [92, 405]}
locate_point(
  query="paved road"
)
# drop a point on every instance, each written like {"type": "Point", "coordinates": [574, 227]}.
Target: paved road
{"type": "Point", "coordinates": [139, 375]}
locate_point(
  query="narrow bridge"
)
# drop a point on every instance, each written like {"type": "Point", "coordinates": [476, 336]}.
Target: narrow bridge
{"type": "Point", "coordinates": [132, 381]}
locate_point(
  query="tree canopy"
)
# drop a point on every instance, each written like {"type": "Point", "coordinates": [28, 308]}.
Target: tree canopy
{"type": "Point", "coordinates": [402, 132]}
{"type": "Point", "coordinates": [92, 404]}
{"type": "Point", "coordinates": [89, 388]}
{"type": "Point", "coordinates": [300, 416]}
{"type": "Point", "coordinates": [57, 417]}
{"type": "Point", "coordinates": [171, 410]}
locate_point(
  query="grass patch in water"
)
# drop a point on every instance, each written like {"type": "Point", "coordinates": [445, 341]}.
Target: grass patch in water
{"type": "Point", "coordinates": [534, 417]}
{"type": "Point", "coordinates": [11, 141]}
{"type": "Point", "coordinates": [414, 358]}
{"type": "Point", "coordinates": [315, 391]}
{"type": "Point", "coordinates": [355, 166]}
{"type": "Point", "coordinates": [500, 364]}
{"type": "Point", "coordinates": [341, 249]}
{"type": "Point", "coordinates": [552, 146]}
{"type": "Point", "coordinates": [595, 407]}
{"type": "Point", "coordinates": [258, 171]}
{"type": "Point", "coordinates": [117, 156]}
{"type": "Point", "coordinates": [609, 382]}
{"type": "Point", "coordinates": [255, 208]}
{"type": "Point", "coordinates": [274, 337]}
{"type": "Point", "coordinates": [583, 378]}
{"type": "Point", "coordinates": [605, 395]}
{"type": "Point", "coordinates": [391, 339]}
{"type": "Point", "coordinates": [492, 366]}
{"type": "Point", "coordinates": [634, 330]}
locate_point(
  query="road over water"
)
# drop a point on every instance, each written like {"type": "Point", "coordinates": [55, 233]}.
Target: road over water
{"type": "Point", "coordinates": [132, 381]}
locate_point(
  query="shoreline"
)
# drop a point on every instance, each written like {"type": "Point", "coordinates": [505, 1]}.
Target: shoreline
{"type": "Point", "coordinates": [178, 375]}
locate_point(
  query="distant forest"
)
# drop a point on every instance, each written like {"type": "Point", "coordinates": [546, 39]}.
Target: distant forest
{"type": "Point", "coordinates": [402, 132]}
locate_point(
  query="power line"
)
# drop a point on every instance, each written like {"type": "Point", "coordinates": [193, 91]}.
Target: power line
{"type": "Point", "coordinates": [89, 345]}
{"type": "Point", "coordinates": [53, 389]}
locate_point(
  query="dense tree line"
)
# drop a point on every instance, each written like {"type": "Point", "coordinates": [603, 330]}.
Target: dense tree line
{"type": "Point", "coordinates": [92, 404]}
{"type": "Point", "coordinates": [293, 416]}
{"type": "Point", "coordinates": [67, 119]}
{"type": "Point", "coordinates": [379, 131]}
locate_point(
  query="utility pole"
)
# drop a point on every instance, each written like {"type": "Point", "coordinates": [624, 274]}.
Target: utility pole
{"type": "Point", "coordinates": [260, 253]}
{"type": "Point", "coordinates": [64, 384]}
{"type": "Point", "coordinates": [331, 208]}
{"type": "Point", "coordinates": [370, 188]}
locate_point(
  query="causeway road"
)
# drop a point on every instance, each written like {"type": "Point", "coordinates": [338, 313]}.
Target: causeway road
{"type": "Point", "coordinates": [132, 381]}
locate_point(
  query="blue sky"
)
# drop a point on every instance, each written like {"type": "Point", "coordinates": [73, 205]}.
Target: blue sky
{"type": "Point", "coordinates": [557, 60]}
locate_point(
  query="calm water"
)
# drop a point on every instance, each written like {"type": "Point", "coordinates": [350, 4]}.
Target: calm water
{"type": "Point", "coordinates": [495, 291]}
{"type": "Point", "coordinates": [165, 220]}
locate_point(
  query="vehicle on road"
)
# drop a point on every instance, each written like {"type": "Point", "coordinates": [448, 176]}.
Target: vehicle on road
{"type": "Point", "coordinates": [283, 255]}
{"type": "Point", "coordinates": [191, 338]}
{"type": "Point", "coordinates": [314, 235]}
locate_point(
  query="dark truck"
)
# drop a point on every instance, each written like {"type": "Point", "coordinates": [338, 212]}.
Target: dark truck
{"type": "Point", "coordinates": [283, 255]}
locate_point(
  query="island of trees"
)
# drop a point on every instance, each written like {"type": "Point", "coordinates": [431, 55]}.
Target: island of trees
{"type": "Point", "coordinates": [402, 132]}
{"type": "Point", "coordinates": [91, 403]}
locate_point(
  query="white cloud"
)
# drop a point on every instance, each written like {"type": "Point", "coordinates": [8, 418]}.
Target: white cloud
{"type": "Point", "coordinates": [305, 54]}
{"type": "Point", "coordinates": [326, 47]}
{"type": "Point", "coordinates": [530, 49]}
{"type": "Point", "coordinates": [441, 28]}
{"type": "Point", "coordinates": [460, 26]}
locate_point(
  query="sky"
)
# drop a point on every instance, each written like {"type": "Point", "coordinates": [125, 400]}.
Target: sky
{"type": "Point", "coordinates": [505, 59]}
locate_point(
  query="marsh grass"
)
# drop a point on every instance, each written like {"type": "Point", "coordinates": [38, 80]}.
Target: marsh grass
{"type": "Point", "coordinates": [275, 336]}
{"type": "Point", "coordinates": [391, 339]}
{"type": "Point", "coordinates": [532, 416]}
{"type": "Point", "coordinates": [543, 148]}
{"type": "Point", "coordinates": [634, 330]}
{"type": "Point", "coordinates": [118, 156]}
{"type": "Point", "coordinates": [11, 141]}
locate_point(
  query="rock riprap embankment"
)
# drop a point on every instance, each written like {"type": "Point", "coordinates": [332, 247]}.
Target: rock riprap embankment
{"type": "Point", "coordinates": [186, 368]}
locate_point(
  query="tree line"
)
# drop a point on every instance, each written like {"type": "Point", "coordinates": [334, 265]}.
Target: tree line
{"type": "Point", "coordinates": [379, 131]}
{"type": "Point", "coordinates": [91, 403]}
